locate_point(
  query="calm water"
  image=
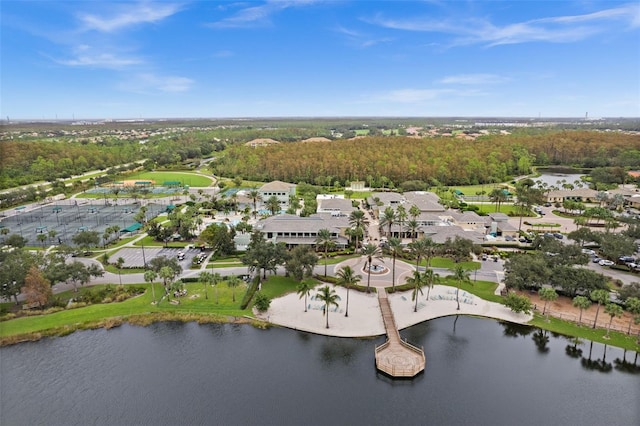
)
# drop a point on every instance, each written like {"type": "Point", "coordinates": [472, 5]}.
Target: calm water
{"type": "Point", "coordinates": [479, 372]}
{"type": "Point", "coordinates": [556, 178]}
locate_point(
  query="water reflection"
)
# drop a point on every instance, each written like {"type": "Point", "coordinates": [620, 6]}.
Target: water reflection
{"type": "Point", "coordinates": [627, 366]}
{"type": "Point", "coordinates": [512, 329]}
{"type": "Point", "coordinates": [572, 350]}
{"type": "Point", "coordinates": [541, 339]}
{"type": "Point", "coordinates": [599, 364]}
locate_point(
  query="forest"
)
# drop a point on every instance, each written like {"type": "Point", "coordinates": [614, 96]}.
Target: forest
{"type": "Point", "coordinates": [448, 161]}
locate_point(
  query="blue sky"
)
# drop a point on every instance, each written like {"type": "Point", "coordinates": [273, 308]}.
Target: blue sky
{"type": "Point", "coordinates": [143, 59]}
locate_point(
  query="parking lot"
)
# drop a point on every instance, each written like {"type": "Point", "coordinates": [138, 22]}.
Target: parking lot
{"type": "Point", "coordinates": [135, 257]}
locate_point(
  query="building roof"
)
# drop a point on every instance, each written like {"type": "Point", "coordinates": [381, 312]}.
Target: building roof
{"type": "Point", "coordinates": [317, 139]}
{"type": "Point", "coordinates": [579, 192]}
{"type": "Point", "coordinates": [425, 201]}
{"type": "Point", "coordinates": [277, 185]}
{"type": "Point", "coordinates": [386, 198]}
{"type": "Point", "coordinates": [466, 217]}
{"type": "Point", "coordinates": [439, 234]}
{"type": "Point", "coordinates": [261, 142]}
{"type": "Point", "coordinates": [292, 223]}
{"type": "Point", "coordinates": [498, 217]}
{"type": "Point", "coordinates": [335, 204]}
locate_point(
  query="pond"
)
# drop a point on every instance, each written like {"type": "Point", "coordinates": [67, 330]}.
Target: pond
{"type": "Point", "coordinates": [478, 372]}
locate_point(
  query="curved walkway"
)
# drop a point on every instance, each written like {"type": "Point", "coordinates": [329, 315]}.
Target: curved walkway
{"type": "Point", "coordinates": [364, 312]}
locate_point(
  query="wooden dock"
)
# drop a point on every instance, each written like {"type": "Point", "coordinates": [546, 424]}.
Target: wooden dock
{"type": "Point", "coordinates": [396, 357]}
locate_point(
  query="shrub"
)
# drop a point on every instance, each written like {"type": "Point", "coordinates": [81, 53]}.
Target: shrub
{"type": "Point", "coordinates": [262, 302]}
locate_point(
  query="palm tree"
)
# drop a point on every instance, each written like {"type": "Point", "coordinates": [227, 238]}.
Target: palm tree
{"type": "Point", "coordinates": [329, 297]}
{"type": "Point", "coordinates": [394, 248]}
{"type": "Point", "coordinates": [497, 196]}
{"type": "Point", "coordinates": [430, 279]}
{"type": "Point", "coordinates": [581, 303]}
{"type": "Point", "coordinates": [388, 219]}
{"type": "Point", "coordinates": [119, 265]}
{"type": "Point", "coordinates": [601, 297]}
{"type": "Point", "coordinates": [414, 212]}
{"type": "Point", "coordinates": [548, 295]}
{"type": "Point", "coordinates": [304, 290]}
{"type": "Point", "coordinates": [460, 275]}
{"type": "Point", "coordinates": [167, 274]}
{"type": "Point", "coordinates": [370, 251]}
{"type": "Point", "coordinates": [358, 220]}
{"type": "Point", "coordinates": [401, 215]}
{"type": "Point", "coordinates": [232, 283]}
{"type": "Point", "coordinates": [614, 311]}
{"type": "Point", "coordinates": [42, 238]}
{"type": "Point", "coordinates": [150, 276]}
{"type": "Point", "coordinates": [423, 248]}
{"type": "Point", "coordinates": [206, 278]}
{"type": "Point", "coordinates": [347, 278]}
{"type": "Point", "coordinates": [273, 205]}
{"type": "Point", "coordinates": [324, 240]}
{"type": "Point", "coordinates": [412, 228]}
{"type": "Point", "coordinates": [215, 279]}
{"type": "Point", "coordinates": [417, 281]}
{"type": "Point", "coordinates": [633, 306]}
{"type": "Point", "coordinates": [254, 194]}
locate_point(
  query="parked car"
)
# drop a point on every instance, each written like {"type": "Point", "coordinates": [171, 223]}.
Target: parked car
{"type": "Point", "coordinates": [596, 259]}
{"type": "Point", "coordinates": [589, 252]}
{"type": "Point", "coordinates": [605, 262]}
{"type": "Point", "coordinates": [558, 235]}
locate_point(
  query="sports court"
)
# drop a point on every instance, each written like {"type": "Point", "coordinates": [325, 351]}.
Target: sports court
{"type": "Point", "coordinates": [62, 220]}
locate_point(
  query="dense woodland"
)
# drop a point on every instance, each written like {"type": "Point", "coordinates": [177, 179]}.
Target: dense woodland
{"type": "Point", "coordinates": [449, 161]}
{"type": "Point", "coordinates": [379, 160]}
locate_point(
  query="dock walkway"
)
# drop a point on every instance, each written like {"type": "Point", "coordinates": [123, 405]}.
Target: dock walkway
{"type": "Point", "coordinates": [396, 357]}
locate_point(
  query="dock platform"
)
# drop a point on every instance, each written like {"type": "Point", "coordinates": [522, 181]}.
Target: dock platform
{"type": "Point", "coordinates": [396, 357]}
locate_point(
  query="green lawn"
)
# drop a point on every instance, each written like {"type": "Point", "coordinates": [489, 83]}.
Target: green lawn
{"type": "Point", "coordinates": [486, 208]}
{"type": "Point", "coordinates": [185, 178]}
{"type": "Point", "coordinates": [483, 289]}
{"type": "Point", "coordinates": [584, 332]}
{"type": "Point", "coordinates": [194, 303]}
{"type": "Point", "coordinates": [443, 262]}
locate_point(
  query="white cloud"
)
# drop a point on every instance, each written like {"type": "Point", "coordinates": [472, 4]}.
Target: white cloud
{"type": "Point", "coordinates": [560, 29]}
{"type": "Point", "coordinates": [153, 83]}
{"type": "Point", "coordinates": [103, 60]}
{"type": "Point", "coordinates": [360, 39]}
{"type": "Point", "coordinates": [473, 79]}
{"type": "Point", "coordinates": [258, 15]}
{"type": "Point", "coordinates": [129, 16]}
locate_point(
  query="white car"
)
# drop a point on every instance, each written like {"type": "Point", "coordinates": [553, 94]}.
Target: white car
{"type": "Point", "coordinates": [605, 262]}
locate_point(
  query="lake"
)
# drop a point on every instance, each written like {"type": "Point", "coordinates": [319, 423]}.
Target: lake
{"type": "Point", "coordinates": [479, 372]}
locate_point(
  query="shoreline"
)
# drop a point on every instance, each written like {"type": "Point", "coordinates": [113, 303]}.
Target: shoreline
{"type": "Point", "coordinates": [364, 320]}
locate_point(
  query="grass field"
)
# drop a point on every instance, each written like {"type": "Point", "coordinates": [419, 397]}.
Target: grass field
{"type": "Point", "coordinates": [191, 179]}
{"type": "Point", "coordinates": [486, 208]}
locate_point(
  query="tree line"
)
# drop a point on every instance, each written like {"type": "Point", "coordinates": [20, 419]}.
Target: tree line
{"type": "Point", "coordinates": [448, 161]}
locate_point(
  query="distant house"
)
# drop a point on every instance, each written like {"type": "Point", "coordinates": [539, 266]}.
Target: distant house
{"type": "Point", "coordinates": [317, 139]}
{"type": "Point", "coordinates": [281, 190]}
{"type": "Point", "coordinates": [337, 206]}
{"type": "Point", "coordinates": [261, 142]}
{"type": "Point", "coordinates": [584, 195]}
{"type": "Point", "coordinates": [357, 185]}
